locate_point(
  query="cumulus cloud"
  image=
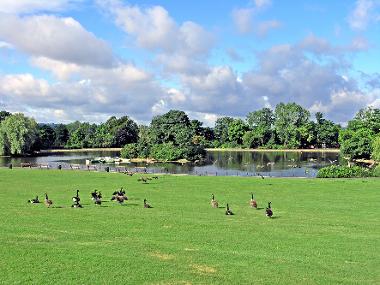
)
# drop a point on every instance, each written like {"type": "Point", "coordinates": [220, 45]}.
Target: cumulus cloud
{"type": "Point", "coordinates": [265, 26]}
{"type": "Point", "coordinates": [363, 14]}
{"type": "Point", "coordinates": [56, 38]}
{"type": "Point", "coordinates": [262, 3]}
{"type": "Point", "coordinates": [284, 73]}
{"type": "Point", "coordinates": [32, 6]}
{"type": "Point", "coordinates": [154, 29]}
{"type": "Point", "coordinates": [243, 19]}
{"type": "Point", "coordinates": [121, 90]}
{"type": "Point", "coordinates": [245, 22]}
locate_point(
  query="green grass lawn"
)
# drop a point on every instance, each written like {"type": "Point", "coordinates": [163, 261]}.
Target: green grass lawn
{"type": "Point", "coordinates": [323, 231]}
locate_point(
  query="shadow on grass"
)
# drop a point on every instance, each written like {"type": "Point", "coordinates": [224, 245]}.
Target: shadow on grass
{"type": "Point", "coordinates": [260, 208]}
{"type": "Point", "coordinates": [275, 217]}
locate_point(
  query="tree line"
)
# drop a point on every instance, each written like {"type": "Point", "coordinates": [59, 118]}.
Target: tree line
{"type": "Point", "coordinates": [174, 135]}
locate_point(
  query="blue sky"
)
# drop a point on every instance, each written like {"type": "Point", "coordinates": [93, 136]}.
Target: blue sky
{"type": "Point", "coordinates": [68, 60]}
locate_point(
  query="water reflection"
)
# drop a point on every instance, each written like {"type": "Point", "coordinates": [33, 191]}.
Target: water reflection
{"type": "Point", "coordinates": [275, 164]}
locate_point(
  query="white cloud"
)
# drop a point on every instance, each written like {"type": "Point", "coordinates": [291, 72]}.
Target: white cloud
{"type": "Point", "coordinates": [121, 90]}
{"type": "Point", "coordinates": [265, 26]}
{"type": "Point", "coordinates": [32, 6]}
{"type": "Point", "coordinates": [243, 19]}
{"type": "Point", "coordinates": [154, 29]}
{"type": "Point", "coordinates": [262, 3]}
{"type": "Point", "coordinates": [56, 38]}
{"type": "Point", "coordinates": [245, 22]}
{"type": "Point", "coordinates": [362, 14]}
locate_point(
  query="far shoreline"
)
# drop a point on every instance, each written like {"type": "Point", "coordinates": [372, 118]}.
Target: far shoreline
{"type": "Point", "coordinates": [330, 150]}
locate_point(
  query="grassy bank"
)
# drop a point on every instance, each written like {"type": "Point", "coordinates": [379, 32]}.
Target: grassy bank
{"type": "Point", "coordinates": [324, 231]}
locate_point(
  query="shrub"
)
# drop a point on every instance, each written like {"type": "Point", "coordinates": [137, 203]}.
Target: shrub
{"type": "Point", "coordinates": [335, 171]}
{"type": "Point", "coordinates": [166, 152]}
{"type": "Point", "coordinates": [376, 148]}
{"type": "Point", "coordinates": [130, 151]}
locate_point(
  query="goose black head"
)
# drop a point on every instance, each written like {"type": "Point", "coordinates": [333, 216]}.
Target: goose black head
{"type": "Point", "coordinates": [252, 196]}
{"type": "Point", "coordinates": [212, 196]}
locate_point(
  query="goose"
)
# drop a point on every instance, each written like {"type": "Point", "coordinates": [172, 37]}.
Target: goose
{"type": "Point", "coordinates": [214, 203]}
{"type": "Point", "coordinates": [47, 202]}
{"type": "Point", "coordinates": [76, 205]}
{"type": "Point", "coordinates": [268, 211]}
{"type": "Point", "coordinates": [146, 205]}
{"type": "Point", "coordinates": [34, 201]}
{"type": "Point", "coordinates": [76, 198]}
{"type": "Point", "coordinates": [94, 195]}
{"type": "Point", "coordinates": [120, 199]}
{"type": "Point", "coordinates": [228, 211]}
{"type": "Point", "coordinates": [253, 202]}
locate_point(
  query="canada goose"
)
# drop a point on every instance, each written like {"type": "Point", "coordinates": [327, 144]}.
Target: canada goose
{"type": "Point", "coordinates": [96, 197]}
{"type": "Point", "coordinates": [34, 201]}
{"type": "Point", "coordinates": [146, 205]}
{"type": "Point", "coordinates": [98, 201]}
{"type": "Point", "coordinates": [120, 199]}
{"type": "Point", "coordinates": [94, 194]}
{"type": "Point", "coordinates": [47, 202]}
{"type": "Point", "coordinates": [253, 202]}
{"type": "Point", "coordinates": [142, 179]}
{"type": "Point", "coordinates": [76, 205]}
{"type": "Point", "coordinates": [228, 211]}
{"type": "Point", "coordinates": [76, 198]}
{"type": "Point", "coordinates": [268, 211]}
{"type": "Point", "coordinates": [214, 203]}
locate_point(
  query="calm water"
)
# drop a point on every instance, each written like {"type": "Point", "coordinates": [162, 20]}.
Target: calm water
{"type": "Point", "coordinates": [275, 164]}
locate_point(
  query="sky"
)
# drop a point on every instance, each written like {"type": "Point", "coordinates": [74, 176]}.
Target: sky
{"type": "Point", "coordinates": [67, 60]}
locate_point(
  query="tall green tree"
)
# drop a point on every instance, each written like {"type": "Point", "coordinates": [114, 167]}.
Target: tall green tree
{"type": "Point", "coordinates": [366, 118]}
{"type": "Point", "coordinates": [61, 135]}
{"type": "Point", "coordinates": [46, 137]}
{"type": "Point", "coordinates": [17, 134]}
{"type": "Point", "coordinates": [83, 136]}
{"type": "Point", "coordinates": [289, 119]}
{"type": "Point", "coordinates": [261, 123]}
{"type": "Point", "coordinates": [221, 129]}
{"type": "Point", "coordinates": [326, 132]}
{"type": "Point", "coordinates": [356, 143]}
{"type": "Point", "coordinates": [172, 127]}
{"type": "Point", "coordinates": [3, 115]}
{"type": "Point", "coordinates": [236, 131]}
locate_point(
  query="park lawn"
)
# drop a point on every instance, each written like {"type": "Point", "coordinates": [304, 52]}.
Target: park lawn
{"type": "Point", "coordinates": [324, 231]}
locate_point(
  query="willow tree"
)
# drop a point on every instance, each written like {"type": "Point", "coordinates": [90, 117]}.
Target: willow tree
{"type": "Point", "coordinates": [17, 135]}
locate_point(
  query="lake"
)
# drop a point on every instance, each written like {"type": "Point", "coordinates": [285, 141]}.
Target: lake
{"type": "Point", "coordinates": [236, 163]}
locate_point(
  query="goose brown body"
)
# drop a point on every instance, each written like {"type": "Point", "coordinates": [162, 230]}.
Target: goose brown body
{"type": "Point", "coordinates": [253, 202]}
{"type": "Point", "coordinates": [214, 203]}
{"type": "Point", "coordinates": [47, 201]}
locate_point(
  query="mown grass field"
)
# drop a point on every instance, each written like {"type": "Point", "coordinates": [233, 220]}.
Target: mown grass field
{"type": "Point", "coordinates": [323, 231]}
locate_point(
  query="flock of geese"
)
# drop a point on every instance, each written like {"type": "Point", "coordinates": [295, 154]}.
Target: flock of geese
{"type": "Point", "coordinates": [96, 196]}
{"type": "Point", "coordinates": [252, 203]}
{"type": "Point", "coordinates": [120, 196]}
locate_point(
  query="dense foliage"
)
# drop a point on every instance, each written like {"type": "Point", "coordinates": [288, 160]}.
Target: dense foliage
{"type": "Point", "coordinates": [18, 134]}
{"type": "Point", "coordinates": [335, 171]}
{"type": "Point", "coordinates": [357, 140]}
{"type": "Point", "coordinates": [173, 135]}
